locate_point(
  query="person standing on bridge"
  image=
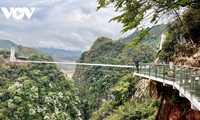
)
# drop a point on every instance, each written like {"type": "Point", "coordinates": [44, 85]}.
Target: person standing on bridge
{"type": "Point", "coordinates": [136, 64]}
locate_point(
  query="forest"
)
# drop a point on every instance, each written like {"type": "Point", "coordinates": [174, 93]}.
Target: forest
{"type": "Point", "coordinates": [106, 90]}
{"type": "Point", "coordinates": [41, 91]}
{"type": "Point", "coordinates": [36, 91]}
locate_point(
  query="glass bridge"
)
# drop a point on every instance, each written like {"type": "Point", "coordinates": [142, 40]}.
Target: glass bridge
{"type": "Point", "coordinates": [184, 79]}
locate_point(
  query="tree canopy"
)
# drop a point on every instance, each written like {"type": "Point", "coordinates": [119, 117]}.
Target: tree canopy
{"type": "Point", "coordinates": [133, 12]}
{"type": "Point", "coordinates": [36, 91]}
{"type": "Point", "coordinates": [94, 82]}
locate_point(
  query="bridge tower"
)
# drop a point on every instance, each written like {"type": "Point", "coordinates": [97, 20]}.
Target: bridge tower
{"type": "Point", "coordinates": [161, 42]}
{"type": "Point", "coordinates": [12, 54]}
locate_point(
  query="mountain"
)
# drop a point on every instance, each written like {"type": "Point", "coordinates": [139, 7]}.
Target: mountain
{"type": "Point", "coordinates": [153, 38]}
{"type": "Point", "coordinates": [94, 83]}
{"type": "Point", "coordinates": [34, 91]}
{"type": "Point", "coordinates": [7, 44]}
{"type": "Point", "coordinates": [20, 50]}
{"type": "Point", "coordinates": [61, 54]}
{"type": "Point", "coordinates": [57, 54]}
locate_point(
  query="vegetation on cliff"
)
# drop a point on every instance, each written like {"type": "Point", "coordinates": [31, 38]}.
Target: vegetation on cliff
{"type": "Point", "coordinates": [129, 101]}
{"type": "Point", "coordinates": [40, 91]}
{"type": "Point", "coordinates": [36, 91]}
{"type": "Point", "coordinates": [182, 38]}
{"type": "Point", "coordinates": [94, 83]}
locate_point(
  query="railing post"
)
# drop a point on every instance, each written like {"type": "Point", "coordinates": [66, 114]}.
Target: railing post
{"type": "Point", "coordinates": [185, 79]}
{"type": "Point", "coordinates": [192, 89]}
{"type": "Point", "coordinates": [163, 74]}
{"type": "Point", "coordinates": [181, 76]}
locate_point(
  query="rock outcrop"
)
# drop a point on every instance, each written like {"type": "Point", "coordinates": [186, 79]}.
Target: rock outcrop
{"type": "Point", "coordinates": [172, 106]}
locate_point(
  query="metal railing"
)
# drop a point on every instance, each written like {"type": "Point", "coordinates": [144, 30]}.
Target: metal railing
{"type": "Point", "coordinates": [186, 79]}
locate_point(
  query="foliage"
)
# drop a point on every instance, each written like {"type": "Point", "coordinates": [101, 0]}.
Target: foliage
{"type": "Point", "coordinates": [129, 111]}
{"type": "Point", "coordinates": [133, 12]}
{"type": "Point", "coordinates": [167, 47]}
{"type": "Point", "coordinates": [5, 53]}
{"type": "Point", "coordinates": [124, 90]}
{"type": "Point", "coordinates": [143, 53]}
{"type": "Point", "coordinates": [36, 91]}
{"type": "Point", "coordinates": [124, 105]}
{"type": "Point", "coordinates": [191, 24]}
{"type": "Point", "coordinates": [27, 51]}
{"type": "Point", "coordinates": [152, 39]}
{"type": "Point", "coordinates": [94, 82]}
{"type": "Point", "coordinates": [140, 37]}
{"type": "Point", "coordinates": [104, 111]}
{"type": "Point", "coordinates": [185, 29]}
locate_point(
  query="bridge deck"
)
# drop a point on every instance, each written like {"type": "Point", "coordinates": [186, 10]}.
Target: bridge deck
{"type": "Point", "coordinates": [184, 79]}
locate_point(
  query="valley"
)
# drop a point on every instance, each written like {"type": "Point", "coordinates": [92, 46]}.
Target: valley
{"type": "Point", "coordinates": [161, 82]}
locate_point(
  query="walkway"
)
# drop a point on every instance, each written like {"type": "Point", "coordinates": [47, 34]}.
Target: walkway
{"type": "Point", "coordinates": [184, 79]}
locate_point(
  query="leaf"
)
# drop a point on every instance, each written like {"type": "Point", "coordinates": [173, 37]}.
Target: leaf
{"type": "Point", "coordinates": [140, 37]}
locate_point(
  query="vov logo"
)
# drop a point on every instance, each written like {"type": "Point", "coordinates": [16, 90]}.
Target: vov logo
{"type": "Point", "coordinates": [18, 13]}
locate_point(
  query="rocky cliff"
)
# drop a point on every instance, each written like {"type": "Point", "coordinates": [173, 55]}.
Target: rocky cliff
{"type": "Point", "coordinates": [172, 106]}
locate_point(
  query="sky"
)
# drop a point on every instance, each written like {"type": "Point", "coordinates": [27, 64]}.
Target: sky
{"type": "Point", "coordinates": [62, 24]}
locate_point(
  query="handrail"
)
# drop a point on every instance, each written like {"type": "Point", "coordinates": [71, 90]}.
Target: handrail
{"type": "Point", "coordinates": [185, 79]}
{"type": "Point", "coordinates": [160, 64]}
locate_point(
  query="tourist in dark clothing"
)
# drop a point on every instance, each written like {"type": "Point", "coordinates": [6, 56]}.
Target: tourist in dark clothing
{"type": "Point", "coordinates": [136, 64]}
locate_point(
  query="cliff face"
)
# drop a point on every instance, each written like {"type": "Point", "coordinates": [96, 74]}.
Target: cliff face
{"type": "Point", "coordinates": [172, 106]}
{"type": "Point", "coordinates": [187, 54]}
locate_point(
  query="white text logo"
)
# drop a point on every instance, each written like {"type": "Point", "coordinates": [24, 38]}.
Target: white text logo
{"type": "Point", "coordinates": [18, 13]}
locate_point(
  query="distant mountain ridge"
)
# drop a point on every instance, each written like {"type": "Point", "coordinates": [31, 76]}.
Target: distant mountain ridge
{"type": "Point", "coordinates": [7, 44]}
{"type": "Point", "coordinates": [57, 54]}
{"type": "Point", "coordinates": [21, 50]}
{"type": "Point", "coordinates": [61, 54]}
{"type": "Point", "coordinates": [153, 38]}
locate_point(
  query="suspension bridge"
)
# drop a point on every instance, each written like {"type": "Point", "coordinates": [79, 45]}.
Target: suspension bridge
{"type": "Point", "coordinates": [184, 79]}
{"type": "Point", "coordinates": [13, 59]}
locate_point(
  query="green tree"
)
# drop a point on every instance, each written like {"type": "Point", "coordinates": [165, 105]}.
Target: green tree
{"type": "Point", "coordinates": [5, 53]}
{"type": "Point", "coordinates": [191, 21]}
{"type": "Point", "coordinates": [94, 82]}
{"type": "Point", "coordinates": [36, 92]}
{"type": "Point", "coordinates": [133, 12]}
